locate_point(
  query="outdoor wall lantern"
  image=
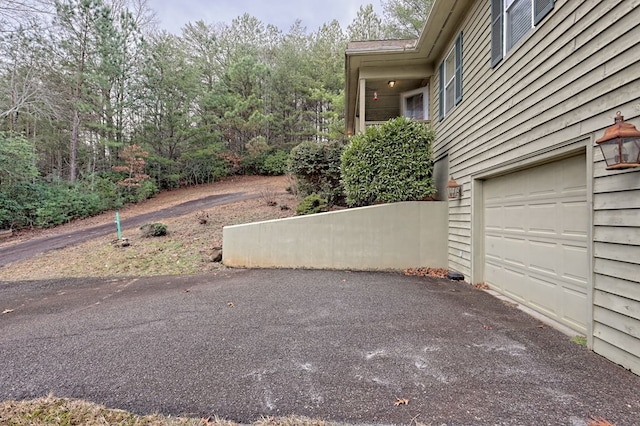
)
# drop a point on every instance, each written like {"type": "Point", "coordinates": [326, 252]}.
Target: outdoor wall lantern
{"type": "Point", "coordinates": [454, 189]}
{"type": "Point", "coordinates": [392, 83]}
{"type": "Point", "coordinates": [620, 145]}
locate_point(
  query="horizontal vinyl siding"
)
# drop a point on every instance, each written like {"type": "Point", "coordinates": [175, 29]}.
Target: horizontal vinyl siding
{"type": "Point", "coordinates": [617, 267]}
{"type": "Point", "coordinates": [525, 107]}
{"type": "Point", "coordinates": [564, 81]}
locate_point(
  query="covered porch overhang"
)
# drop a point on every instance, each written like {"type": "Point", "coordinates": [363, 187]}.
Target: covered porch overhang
{"type": "Point", "coordinates": [410, 64]}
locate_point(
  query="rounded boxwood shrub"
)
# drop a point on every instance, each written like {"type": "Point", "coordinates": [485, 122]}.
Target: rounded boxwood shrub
{"type": "Point", "coordinates": [312, 204]}
{"type": "Point", "coordinates": [389, 163]}
{"type": "Point", "coordinates": [153, 230]}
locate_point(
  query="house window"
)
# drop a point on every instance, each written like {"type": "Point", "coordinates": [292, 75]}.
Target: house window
{"type": "Point", "coordinates": [414, 104]}
{"type": "Point", "coordinates": [451, 78]}
{"type": "Point", "coordinates": [511, 20]}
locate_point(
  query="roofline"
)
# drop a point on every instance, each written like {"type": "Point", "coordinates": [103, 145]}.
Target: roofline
{"type": "Point", "coordinates": [407, 44]}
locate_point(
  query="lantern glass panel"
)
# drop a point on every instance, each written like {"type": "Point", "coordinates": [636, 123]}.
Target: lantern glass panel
{"type": "Point", "coordinates": [621, 152]}
{"type": "Point", "coordinates": [630, 150]}
{"type": "Point", "coordinates": [611, 152]}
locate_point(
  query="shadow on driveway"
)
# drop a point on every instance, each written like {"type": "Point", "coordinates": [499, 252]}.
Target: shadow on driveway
{"type": "Point", "coordinates": [333, 345]}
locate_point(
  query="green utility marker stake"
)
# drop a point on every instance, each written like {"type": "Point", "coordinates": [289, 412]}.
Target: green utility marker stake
{"type": "Point", "coordinates": [118, 225]}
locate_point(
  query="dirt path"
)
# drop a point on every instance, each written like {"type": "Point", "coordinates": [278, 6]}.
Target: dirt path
{"type": "Point", "coordinates": [30, 248]}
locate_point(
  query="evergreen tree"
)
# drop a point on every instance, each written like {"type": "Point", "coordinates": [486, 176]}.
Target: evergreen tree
{"type": "Point", "coordinates": [366, 26]}
{"type": "Point", "coordinates": [405, 18]}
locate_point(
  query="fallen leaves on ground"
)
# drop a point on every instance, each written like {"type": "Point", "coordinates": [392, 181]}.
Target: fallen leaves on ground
{"type": "Point", "coordinates": [599, 421]}
{"type": "Point", "coordinates": [7, 311]}
{"type": "Point", "coordinates": [481, 286]}
{"type": "Point", "coordinates": [231, 305]}
{"type": "Point", "coordinates": [401, 401]}
{"type": "Point", "coordinates": [427, 272]}
{"type": "Point", "coordinates": [509, 304]}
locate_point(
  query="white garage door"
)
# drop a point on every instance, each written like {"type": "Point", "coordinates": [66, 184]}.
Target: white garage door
{"type": "Point", "coordinates": [536, 224]}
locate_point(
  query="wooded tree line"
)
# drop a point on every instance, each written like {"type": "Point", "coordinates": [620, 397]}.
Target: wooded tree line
{"type": "Point", "coordinates": [80, 80]}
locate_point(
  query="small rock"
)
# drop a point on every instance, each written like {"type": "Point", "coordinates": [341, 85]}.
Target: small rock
{"type": "Point", "coordinates": [216, 255]}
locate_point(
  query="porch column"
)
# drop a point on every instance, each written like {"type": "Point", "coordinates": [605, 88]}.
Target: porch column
{"type": "Point", "coordinates": [362, 92]}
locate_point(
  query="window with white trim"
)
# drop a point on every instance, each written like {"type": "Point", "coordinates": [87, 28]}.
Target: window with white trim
{"type": "Point", "coordinates": [451, 78]}
{"type": "Point", "coordinates": [415, 104]}
{"type": "Point", "coordinates": [511, 20]}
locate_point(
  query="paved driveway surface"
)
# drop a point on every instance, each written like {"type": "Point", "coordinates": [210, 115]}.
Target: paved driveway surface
{"type": "Point", "coordinates": [333, 345]}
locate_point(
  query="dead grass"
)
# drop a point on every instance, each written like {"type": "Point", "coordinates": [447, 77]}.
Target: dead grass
{"type": "Point", "coordinates": [64, 411]}
{"type": "Point", "coordinates": [187, 249]}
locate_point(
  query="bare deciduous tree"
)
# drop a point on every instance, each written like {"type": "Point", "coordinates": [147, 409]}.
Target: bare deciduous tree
{"type": "Point", "coordinates": [16, 14]}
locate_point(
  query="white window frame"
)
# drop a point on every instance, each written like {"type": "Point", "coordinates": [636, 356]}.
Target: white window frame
{"type": "Point", "coordinates": [404, 96]}
{"type": "Point", "coordinates": [451, 83]}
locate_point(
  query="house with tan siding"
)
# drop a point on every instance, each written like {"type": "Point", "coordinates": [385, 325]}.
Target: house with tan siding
{"type": "Point", "coordinates": [518, 92]}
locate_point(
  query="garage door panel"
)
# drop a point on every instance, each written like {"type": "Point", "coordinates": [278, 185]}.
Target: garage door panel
{"type": "Point", "coordinates": [512, 217]}
{"type": "Point", "coordinates": [542, 218]}
{"type": "Point", "coordinates": [493, 218]}
{"type": "Point", "coordinates": [536, 238]}
{"type": "Point", "coordinates": [515, 283]}
{"type": "Point", "coordinates": [573, 264]}
{"type": "Point", "coordinates": [574, 221]}
{"type": "Point", "coordinates": [514, 251]}
{"type": "Point", "coordinates": [543, 257]}
{"type": "Point", "coordinates": [494, 246]}
{"type": "Point", "coordinates": [493, 272]}
{"type": "Point", "coordinates": [574, 305]}
{"type": "Point", "coordinates": [540, 288]}
{"type": "Point", "coordinates": [571, 181]}
{"type": "Point", "coordinates": [541, 183]}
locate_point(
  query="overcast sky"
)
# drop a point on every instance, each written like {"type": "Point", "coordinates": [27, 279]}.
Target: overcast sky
{"type": "Point", "coordinates": [174, 14]}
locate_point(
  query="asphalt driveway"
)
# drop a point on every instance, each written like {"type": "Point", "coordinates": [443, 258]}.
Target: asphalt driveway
{"type": "Point", "coordinates": [338, 346]}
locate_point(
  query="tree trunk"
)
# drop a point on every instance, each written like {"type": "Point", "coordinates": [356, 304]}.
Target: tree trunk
{"type": "Point", "coordinates": [73, 148]}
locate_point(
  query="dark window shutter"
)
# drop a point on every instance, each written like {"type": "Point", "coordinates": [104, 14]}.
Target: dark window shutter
{"type": "Point", "coordinates": [496, 32]}
{"type": "Point", "coordinates": [441, 90]}
{"type": "Point", "coordinates": [540, 9]}
{"type": "Point", "coordinates": [459, 69]}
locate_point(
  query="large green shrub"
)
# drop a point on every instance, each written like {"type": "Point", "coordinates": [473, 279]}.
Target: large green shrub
{"type": "Point", "coordinates": [18, 204]}
{"type": "Point", "coordinates": [389, 163]}
{"type": "Point", "coordinates": [45, 204]}
{"type": "Point", "coordinates": [269, 162]}
{"type": "Point", "coordinates": [316, 167]}
{"type": "Point", "coordinates": [275, 163]}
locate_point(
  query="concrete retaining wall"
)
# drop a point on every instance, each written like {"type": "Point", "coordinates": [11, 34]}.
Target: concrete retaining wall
{"type": "Point", "coordinates": [382, 237]}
